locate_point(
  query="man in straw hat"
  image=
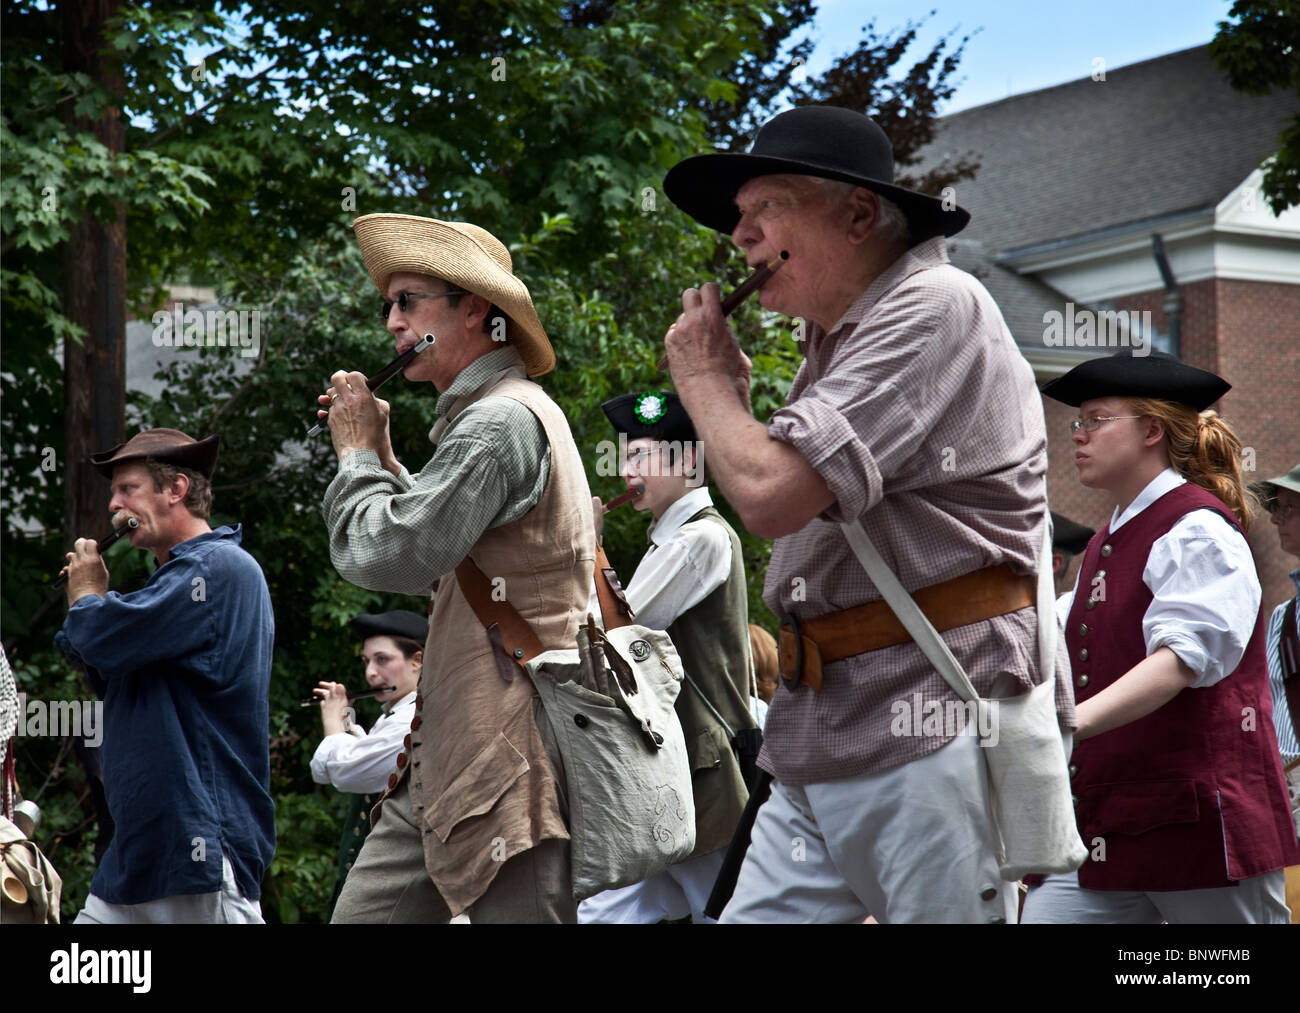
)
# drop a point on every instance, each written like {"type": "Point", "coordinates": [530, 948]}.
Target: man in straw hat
{"type": "Point", "coordinates": [183, 667]}
{"type": "Point", "coordinates": [474, 815]}
{"type": "Point", "coordinates": [915, 413]}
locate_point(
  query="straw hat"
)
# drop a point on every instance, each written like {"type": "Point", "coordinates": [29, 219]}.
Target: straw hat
{"type": "Point", "coordinates": [464, 255]}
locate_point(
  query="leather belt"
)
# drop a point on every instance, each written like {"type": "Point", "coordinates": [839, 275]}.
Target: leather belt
{"type": "Point", "coordinates": [805, 646]}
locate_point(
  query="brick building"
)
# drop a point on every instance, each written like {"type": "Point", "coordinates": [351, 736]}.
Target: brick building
{"type": "Point", "coordinates": [1076, 182]}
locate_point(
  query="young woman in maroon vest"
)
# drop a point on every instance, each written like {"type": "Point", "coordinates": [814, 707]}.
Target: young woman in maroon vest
{"type": "Point", "coordinates": [1177, 780]}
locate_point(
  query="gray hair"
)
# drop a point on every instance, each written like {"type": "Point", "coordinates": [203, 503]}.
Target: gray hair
{"type": "Point", "coordinates": [892, 226]}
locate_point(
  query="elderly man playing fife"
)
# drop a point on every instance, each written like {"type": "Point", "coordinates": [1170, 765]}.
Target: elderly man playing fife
{"type": "Point", "coordinates": [474, 815]}
{"type": "Point", "coordinates": [914, 413]}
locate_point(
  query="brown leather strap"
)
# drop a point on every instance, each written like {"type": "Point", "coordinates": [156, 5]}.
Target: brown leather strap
{"type": "Point", "coordinates": [614, 609]}
{"type": "Point", "coordinates": [970, 598]}
{"type": "Point", "coordinates": [511, 636]}
{"type": "Point", "coordinates": [513, 633]}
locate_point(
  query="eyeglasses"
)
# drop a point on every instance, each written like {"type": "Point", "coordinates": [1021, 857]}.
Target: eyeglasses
{"type": "Point", "coordinates": [1092, 425]}
{"type": "Point", "coordinates": [404, 299]}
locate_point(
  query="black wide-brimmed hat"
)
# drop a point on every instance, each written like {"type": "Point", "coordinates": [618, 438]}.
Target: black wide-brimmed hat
{"type": "Point", "coordinates": [1123, 374]}
{"type": "Point", "coordinates": [1069, 535]}
{"type": "Point", "coordinates": [655, 414]}
{"type": "Point", "coordinates": [825, 141]}
{"type": "Point", "coordinates": [400, 623]}
{"type": "Point", "coordinates": [170, 446]}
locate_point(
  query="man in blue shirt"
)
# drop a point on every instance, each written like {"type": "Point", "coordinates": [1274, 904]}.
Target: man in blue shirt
{"type": "Point", "coordinates": [183, 667]}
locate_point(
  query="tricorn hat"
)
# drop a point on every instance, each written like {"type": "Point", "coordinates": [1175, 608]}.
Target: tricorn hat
{"type": "Point", "coordinates": [168, 445]}
{"type": "Point", "coordinates": [465, 255]}
{"type": "Point", "coordinates": [826, 141]}
{"type": "Point", "coordinates": [655, 414]}
{"type": "Point", "coordinates": [1123, 374]}
{"type": "Point", "coordinates": [400, 623]}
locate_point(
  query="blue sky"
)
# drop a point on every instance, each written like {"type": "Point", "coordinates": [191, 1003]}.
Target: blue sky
{"type": "Point", "coordinates": [1025, 45]}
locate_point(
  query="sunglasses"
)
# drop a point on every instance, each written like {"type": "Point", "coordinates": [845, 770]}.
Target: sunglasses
{"type": "Point", "coordinates": [404, 299]}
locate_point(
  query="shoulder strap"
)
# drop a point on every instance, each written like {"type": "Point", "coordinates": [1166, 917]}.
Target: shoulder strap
{"type": "Point", "coordinates": [1288, 649]}
{"type": "Point", "coordinates": [502, 621]}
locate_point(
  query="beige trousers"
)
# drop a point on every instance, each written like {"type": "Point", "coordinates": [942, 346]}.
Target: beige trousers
{"type": "Point", "coordinates": [388, 883]}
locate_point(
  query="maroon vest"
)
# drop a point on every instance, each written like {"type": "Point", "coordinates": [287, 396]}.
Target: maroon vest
{"type": "Point", "coordinates": [1191, 796]}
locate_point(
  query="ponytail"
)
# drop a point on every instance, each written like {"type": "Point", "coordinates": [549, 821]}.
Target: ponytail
{"type": "Point", "coordinates": [1205, 451]}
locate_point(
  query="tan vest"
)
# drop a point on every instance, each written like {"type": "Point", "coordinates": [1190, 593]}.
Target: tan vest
{"type": "Point", "coordinates": [481, 786]}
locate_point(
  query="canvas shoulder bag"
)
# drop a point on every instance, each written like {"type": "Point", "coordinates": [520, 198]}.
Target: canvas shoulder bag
{"type": "Point", "coordinates": [610, 703]}
{"type": "Point", "coordinates": [1024, 752]}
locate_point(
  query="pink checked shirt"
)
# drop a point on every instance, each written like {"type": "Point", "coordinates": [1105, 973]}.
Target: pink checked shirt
{"type": "Point", "coordinates": [922, 416]}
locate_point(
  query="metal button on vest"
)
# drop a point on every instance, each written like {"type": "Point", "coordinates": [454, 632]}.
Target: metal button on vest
{"type": "Point", "coordinates": [1106, 550]}
{"type": "Point", "coordinates": [1083, 654]}
{"type": "Point", "coordinates": [1099, 575]}
{"type": "Point", "coordinates": [989, 893]}
{"type": "Point", "coordinates": [1083, 680]}
{"type": "Point", "coordinates": [1090, 604]}
{"type": "Point", "coordinates": [401, 760]}
{"type": "Point", "coordinates": [1083, 632]}
{"type": "Point", "coordinates": [406, 742]}
{"type": "Point", "coordinates": [419, 703]}
{"type": "Point", "coordinates": [392, 781]}
{"type": "Point", "coordinates": [581, 720]}
{"type": "Point", "coordinates": [1073, 770]}
{"type": "Point", "coordinates": [416, 722]}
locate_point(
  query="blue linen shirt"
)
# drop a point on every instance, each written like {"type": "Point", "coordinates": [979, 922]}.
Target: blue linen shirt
{"type": "Point", "coordinates": [184, 667]}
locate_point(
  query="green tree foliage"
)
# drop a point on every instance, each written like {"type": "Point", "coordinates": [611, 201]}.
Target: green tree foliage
{"type": "Point", "coordinates": [254, 139]}
{"type": "Point", "coordinates": [1259, 52]}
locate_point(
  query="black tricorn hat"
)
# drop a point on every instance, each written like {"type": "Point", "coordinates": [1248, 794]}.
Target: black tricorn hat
{"type": "Point", "coordinates": [1123, 374]}
{"type": "Point", "coordinates": [1069, 535]}
{"type": "Point", "coordinates": [168, 445]}
{"type": "Point", "coordinates": [655, 414]}
{"type": "Point", "coordinates": [826, 141]}
{"type": "Point", "coordinates": [400, 623]}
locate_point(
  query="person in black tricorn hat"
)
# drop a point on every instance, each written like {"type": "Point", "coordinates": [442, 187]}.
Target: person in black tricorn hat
{"type": "Point", "coordinates": [691, 583]}
{"type": "Point", "coordinates": [349, 758]}
{"type": "Point", "coordinates": [183, 667]}
{"type": "Point", "coordinates": [1069, 538]}
{"type": "Point", "coordinates": [1179, 786]}
{"type": "Point", "coordinates": [915, 414]}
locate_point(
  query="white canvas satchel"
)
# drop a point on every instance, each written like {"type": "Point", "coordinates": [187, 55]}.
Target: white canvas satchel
{"type": "Point", "coordinates": [610, 703]}
{"type": "Point", "coordinates": [1024, 753]}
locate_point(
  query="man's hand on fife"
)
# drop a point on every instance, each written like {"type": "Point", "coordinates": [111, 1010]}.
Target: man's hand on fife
{"type": "Point", "coordinates": [701, 344]}
{"type": "Point", "coordinates": [357, 419]}
{"type": "Point", "coordinates": [87, 573]}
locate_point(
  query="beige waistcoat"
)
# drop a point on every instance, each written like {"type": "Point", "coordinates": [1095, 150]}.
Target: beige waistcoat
{"type": "Point", "coordinates": [482, 790]}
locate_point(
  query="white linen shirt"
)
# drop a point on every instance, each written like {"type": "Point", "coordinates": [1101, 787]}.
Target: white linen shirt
{"type": "Point", "coordinates": [1206, 592]}
{"type": "Point", "coordinates": [687, 564]}
{"type": "Point", "coordinates": [361, 763]}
